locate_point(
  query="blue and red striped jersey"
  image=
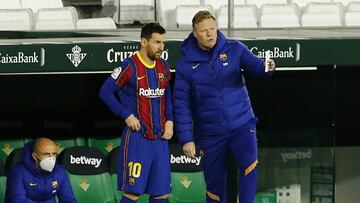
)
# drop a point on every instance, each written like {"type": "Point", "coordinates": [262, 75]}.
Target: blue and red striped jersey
{"type": "Point", "coordinates": [142, 89]}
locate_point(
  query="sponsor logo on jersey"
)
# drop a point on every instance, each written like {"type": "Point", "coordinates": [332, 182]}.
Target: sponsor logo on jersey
{"type": "Point", "coordinates": [116, 72]}
{"type": "Point", "coordinates": [151, 93]}
{"type": "Point", "coordinates": [83, 160]}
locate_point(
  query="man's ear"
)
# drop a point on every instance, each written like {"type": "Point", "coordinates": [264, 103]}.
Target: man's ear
{"type": "Point", "coordinates": [143, 42]}
{"type": "Point", "coordinates": [195, 34]}
{"type": "Point", "coordinates": [34, 156]}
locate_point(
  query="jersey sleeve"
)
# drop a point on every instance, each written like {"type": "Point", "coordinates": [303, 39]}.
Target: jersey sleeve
{"type": "Point", "coordinates": [118, 79]}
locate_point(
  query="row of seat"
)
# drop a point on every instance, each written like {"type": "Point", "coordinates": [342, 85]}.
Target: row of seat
{"type": "Point", "coordinates": [50, 19]}
{"type": "Point", "coordinates": [46, 15]}
{"type": "Point", "coordinates": [104, 144]}
{"type": "Point", "coordinates": [275, 15]}
{"type": "Point", "coordinates": [99, 184]}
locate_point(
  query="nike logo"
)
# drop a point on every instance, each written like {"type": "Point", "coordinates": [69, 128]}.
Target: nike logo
{"type": "Point", "coordinates": [195, 66]}
{"type": "Point", "coordinates": [139, 78]}
{"type": "Point", "coordinates": [253, 130]}
{"type": "Point", "coordinates": [32, 184]}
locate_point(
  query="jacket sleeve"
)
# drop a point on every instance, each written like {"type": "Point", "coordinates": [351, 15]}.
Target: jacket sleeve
{"type": "Point", "coordinates": [15, 189]}
{"type": "Point", "coordinates": [111, 85]}
{"type": "Point", "coordinates": [252, 64]}
{"type": "Point", "coordinates": [182, 106]}
{"type": "Point", "coordinates": [66, 194]}
{"type": "Point", "coordinates": [169, 106]}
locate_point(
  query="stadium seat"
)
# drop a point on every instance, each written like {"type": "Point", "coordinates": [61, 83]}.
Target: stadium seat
{"type": "Point", "coordinates": [134, 10]}
{"type": "Point", "coordinates": [113, 163]}
{"type": "Point", "coordinates": [303, 3]}
{"type": "Point", "coordinates": [35, 5]}
{"type": "Point", "coordinates": [56, 18]}
{"type": "Point", "coordinates": [352, 14]}
{"type": "Point", "coordinates": [187, 187]}
{"type": "Point", "coordinates": [2, 181]}
{"type": "Point", "coordinates": [187, 179]}
{"type": "Point", "coordinates": [16, 19]}
{"type": "Point", "coordinates": [10, 4]}
{"type": "Point", "coordinates": [345, 2]}
{"type": "Point", "coordinates": [216, 4]}
{"type": "Point", "coordinates": [14, 157]}
{"type": "Point", "coordinates": [9, 145]}
{"type": "Point", "coordinates": [96, 23]}
{"type": "Point", "coordinates": [322, 14]}
{"type": "Point", "coordinates": [245, 16]}
{"type": "Point", "coordinates": [105, 144]}
{"type": "Point", "coordinates": [259, 3]}
{"type": "Point", "coordinates": [63, 143]}
{"type": "Point", "coordinates": [167, 9]}
{"type": "Point", "coordinates": [279, 15]}
{"type": "Point", "coordinates": [88, 173]}
{"type": "Point", "coordinates": [184, 14]}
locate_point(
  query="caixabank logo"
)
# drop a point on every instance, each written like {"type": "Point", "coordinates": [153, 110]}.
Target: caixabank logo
{"type": "Point", "coordinates": [279, 52]}
{"type": "Point", "coordinates": [23, 57]}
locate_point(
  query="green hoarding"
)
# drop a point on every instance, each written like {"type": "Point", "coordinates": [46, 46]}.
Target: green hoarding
{"type": "Point", "coordinates": [103, 56]}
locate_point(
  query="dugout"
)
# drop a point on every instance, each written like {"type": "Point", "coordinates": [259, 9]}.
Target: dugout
{"type": "Point", "coordinates": [49, 83]}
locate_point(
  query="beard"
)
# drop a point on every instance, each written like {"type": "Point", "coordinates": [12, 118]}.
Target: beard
{"type": "Point", "coordinates": [154, 56]}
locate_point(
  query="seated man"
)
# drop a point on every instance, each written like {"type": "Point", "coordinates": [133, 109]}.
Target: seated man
{"type": "Point", "coordinates": [38, 178]}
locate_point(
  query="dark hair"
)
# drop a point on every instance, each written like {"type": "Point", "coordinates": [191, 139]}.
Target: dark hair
{"type": "Point", "coordinates": [151, 28]}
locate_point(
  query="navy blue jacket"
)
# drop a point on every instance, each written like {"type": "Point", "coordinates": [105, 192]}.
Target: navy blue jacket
{"type": "Point", "coordinates": [210, 96]}
{"type": "Point", "coordinates": [28, 184]}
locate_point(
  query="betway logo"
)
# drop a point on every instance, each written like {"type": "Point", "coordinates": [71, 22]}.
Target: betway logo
{"type": "Point", "coordinates": [83, 160]}
{"type": "Point", "coordinates": [22, 58]}
{"type": "Point", "coordinates": [277, 52]}
{"type": "Point", "coordinates": [184, 160]}
{"type": "Point", "coordinates": [296, 155]}
{"type": "Point", "coordinates": [151, 93]}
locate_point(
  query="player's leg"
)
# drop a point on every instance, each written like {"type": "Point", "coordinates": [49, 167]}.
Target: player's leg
{"type": "Point", "coordinates": [134, 165]}
{"type": "Point", "coordinates": [159, 182]}
{"type": "Point", "coordinates": [243, 144]}
{"type": "Point", "coordinates": [213, 162]}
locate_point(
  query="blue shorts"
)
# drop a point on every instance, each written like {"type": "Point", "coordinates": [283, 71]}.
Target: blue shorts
{"type": "Point", "coordinates": [144, 165]}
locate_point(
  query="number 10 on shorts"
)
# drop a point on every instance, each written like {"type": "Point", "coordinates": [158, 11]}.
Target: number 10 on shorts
{"type": "Point", "coordinates": [134, 169]}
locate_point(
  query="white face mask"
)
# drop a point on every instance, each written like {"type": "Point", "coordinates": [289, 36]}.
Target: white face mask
{"type": "Point", "coordinates": [48, 163]}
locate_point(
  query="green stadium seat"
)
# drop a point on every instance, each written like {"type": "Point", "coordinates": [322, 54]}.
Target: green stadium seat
{"type": "Point", "coordinates": [88, 174]}
{"type": "Point", "coordinates": [187, 187]}
{"type": "Point", "coordinates": [266, 196]}
{"type": "Point", "coordinates": [187, 179]}
{"type": "Point", "coordinates": [2, 181]}
{"type": "Point", "coordinates": [105, 144]}
{"type": "Point", "coordinates": [113, 162]}
{"type": "Point", "coordinates": [9, 145]}
{"type": "Point", "coordinates": [14, 157]}
{"type": "Point", "coordinates": [68, 142]}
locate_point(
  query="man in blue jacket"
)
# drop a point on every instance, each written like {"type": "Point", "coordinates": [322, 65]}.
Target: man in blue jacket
{"type": "Point", "coordinates": [38, 179]}
{"type": "Point", "coordinates": [212, 106]}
